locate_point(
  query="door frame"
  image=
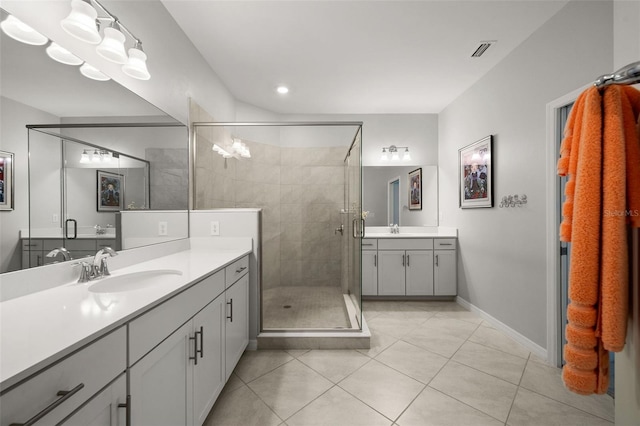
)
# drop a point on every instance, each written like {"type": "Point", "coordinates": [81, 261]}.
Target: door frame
{"type": "Point", "coordinates": [552, 221]}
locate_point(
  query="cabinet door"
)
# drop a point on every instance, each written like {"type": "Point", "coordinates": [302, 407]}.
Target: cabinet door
{"type": "Point", "coordinates": [103, 409]}
{"type": "Point", "coordinates": [445, 273]}
{"type": "Point", "coordinates": [369, 273]}
{"type": "Point", "coordinates": [237, 323]}
{"type": "Point", "coordinates": [391, 273]}
{"type": "Point", "coordinates": [208, 374]}
{"type": "Point", "coordinates": [160, 382]}
{"type": "Point", "coordinates": [419, 272]}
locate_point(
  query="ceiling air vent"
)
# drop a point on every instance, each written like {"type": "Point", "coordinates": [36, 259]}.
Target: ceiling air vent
{"type": "Point", "coordinates": [484, 45]}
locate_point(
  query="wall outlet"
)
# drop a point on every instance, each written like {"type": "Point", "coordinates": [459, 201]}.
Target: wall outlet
{"type": "Point", "coordinates": [215, 228]}
{"type": "Point", "coordinates": [54, 218]}
{"type": "Point", "coordinates": [163, 228]}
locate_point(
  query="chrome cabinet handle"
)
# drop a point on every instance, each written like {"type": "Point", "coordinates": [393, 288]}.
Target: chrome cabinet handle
{"type": "Point", "coordinates": [436, 260]}
{"type": "Point", "coordinates": [375, 260]}
{"type": "Point", "coordinates": [196, 351]}
{"type": "Point", "coordinates": [64, 396]}
{"type": "Point", "coordinates": [367, 244]}
{"type": "Point", "coordinates": [127, 405]}
{"type": "Point", "coordinates": [230, 316]}
{"type": "Point", "coordinates": [241, 269]}
{"type": "Point", "coordinates": [403, 260]}
{"type": "Point", "coordinates": [201, 341]}
{"type": "Point", "coordinates": [445, 244]}
{"type": "Point", "coordinates": [408, 257]}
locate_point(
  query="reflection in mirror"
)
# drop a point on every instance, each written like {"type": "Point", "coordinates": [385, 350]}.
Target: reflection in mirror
{"type": "Point", "coordinates": [388, 202]}
{"type": "Point", "coordinates": [36, 90]}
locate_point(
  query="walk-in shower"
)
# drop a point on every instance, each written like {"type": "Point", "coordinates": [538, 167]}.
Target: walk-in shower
{"type": "Point", "coordinates": [306, 178]}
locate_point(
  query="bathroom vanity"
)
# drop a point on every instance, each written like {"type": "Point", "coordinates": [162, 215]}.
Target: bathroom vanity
{"type": "Point", "coordinates": [409, 264]}
{"type": "Point", "coordinates": [156, 353]}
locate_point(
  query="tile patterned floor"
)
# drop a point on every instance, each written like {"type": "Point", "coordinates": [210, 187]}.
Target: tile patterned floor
{"type": "Point", "coordinates": [430, 363]}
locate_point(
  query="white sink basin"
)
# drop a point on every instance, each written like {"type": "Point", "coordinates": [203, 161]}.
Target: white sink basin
{"type": "Point", "coordinates": [133, 281]}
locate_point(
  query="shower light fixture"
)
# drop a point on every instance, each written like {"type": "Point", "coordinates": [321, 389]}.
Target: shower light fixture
{"type": "Point", "coordinates": [393, 150]}
{"type": "Point", "coordinates": [18, 30]}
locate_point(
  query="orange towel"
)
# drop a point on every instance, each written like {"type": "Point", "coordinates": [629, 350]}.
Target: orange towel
{"type": "Point", "coordinates": [601, 155]}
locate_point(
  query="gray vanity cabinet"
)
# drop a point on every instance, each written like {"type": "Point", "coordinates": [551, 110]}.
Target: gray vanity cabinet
{"type": "Point", "coordinates": [369, 267]}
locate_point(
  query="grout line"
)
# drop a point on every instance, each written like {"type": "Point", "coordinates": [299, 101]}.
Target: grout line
{"type": "Point", "coordinates": [274, 368]}
{"type": "Point", "coordinates": [464, 403]}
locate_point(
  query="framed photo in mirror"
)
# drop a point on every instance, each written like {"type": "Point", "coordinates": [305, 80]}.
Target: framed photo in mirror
{"type": "Point", "coordinates": [6, 181]}
{"type": "Point", "coordinates": [475, 174]}
{"type": "Point", "coordinates": [110, 191]}
{"type": "Point", "coordinates": [415, 189]}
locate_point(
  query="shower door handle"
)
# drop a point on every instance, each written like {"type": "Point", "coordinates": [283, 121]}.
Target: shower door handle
{"type": "Point", "coordinates": [354, 225]}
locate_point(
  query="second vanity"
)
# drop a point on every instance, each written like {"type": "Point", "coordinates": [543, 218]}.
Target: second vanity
{"type": "Point", "coordinates": [418, 263]}
{"type": "Point", "coordinates": [159, 353]}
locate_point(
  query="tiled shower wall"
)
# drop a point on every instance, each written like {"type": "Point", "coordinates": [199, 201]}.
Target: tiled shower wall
{"type": "Point", "coordinates": [301, 192]}
{"type": "Point", "coordinates": [169, 187]}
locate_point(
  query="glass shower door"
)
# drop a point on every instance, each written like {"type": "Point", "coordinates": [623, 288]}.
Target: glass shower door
{"type": "Point", "coordinates": [355, 225]}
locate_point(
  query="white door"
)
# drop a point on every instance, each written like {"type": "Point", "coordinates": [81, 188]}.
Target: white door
{"type": "Point", "coordinates": [444, 276]}
{"type": "Point", "coordinates": [369, 273]}
{"type": "Point", "coordinates": [391, 273]}
{"type": "Point", "coordinates": [237, 323]}
{"type": "Point", "coordinates": [208, 374]}
{"type": "Point", "coordinates": [103, 409]}
{"type": "Point", "coordinates": [159, 382]}
{"type": "Point", "coordinates": [419, 266]}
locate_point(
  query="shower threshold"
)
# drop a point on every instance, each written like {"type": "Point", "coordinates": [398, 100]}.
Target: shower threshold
{"type": "Point", "coordinates": [343, 338]}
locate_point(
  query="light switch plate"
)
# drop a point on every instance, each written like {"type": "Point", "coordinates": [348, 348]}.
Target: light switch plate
{"type": "Point", "coordinates": [163, 228]}
{"type": "Point", "coordinates": [215, 228]}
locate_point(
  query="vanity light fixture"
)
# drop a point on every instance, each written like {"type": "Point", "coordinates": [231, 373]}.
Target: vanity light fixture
{"type": "Point", "coordinates": [393, 150]}
{"type": "Point", "coordinates": [18, 30]}
{"type": "Point", "coordinates": [96, 157]}
{"type": "Point", "coordinates": [62, 55]}
{"type": "Point", "coordinates": [84, 157]}
{"type": "Point", "coordinates": [93, 73]}
{"type": "Point", "coordinates": [83, 23]}
{"type": "Point", "coordinates": [236, 149]}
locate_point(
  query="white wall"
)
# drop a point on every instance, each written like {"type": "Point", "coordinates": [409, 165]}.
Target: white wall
{"type": "Point", "coordinates": [626, 42]}
{"type": "Point", "coordinates": [502, 263]}
{"type": "Point", "coordinates": [13, 138]}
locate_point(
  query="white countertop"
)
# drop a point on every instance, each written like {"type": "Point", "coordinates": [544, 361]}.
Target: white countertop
{"type": "Point", "coordinates": [39, 328]}
{"type": "Point", "coordinates": [411, 232]}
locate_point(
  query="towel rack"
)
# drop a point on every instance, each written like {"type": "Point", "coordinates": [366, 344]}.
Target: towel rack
{"type": "Point", "coordinates": [629, 74]}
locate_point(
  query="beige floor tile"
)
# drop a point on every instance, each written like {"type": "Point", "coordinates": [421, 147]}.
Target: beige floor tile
{"type": "Point", "coordinates": [337, 407]}
{"type": "Point", "coordinates": [381, 387]}
{"type": "Point", "coordinates": [296, 353]}
{"type": "Point", "coordinates": [413, 361]}
{"type": "Point", "coordinates": [379, 342]}
{"type": "Point", "coordinates": [498, 340]}
{"type": "Point", "coordinates": [383, 306]}
{"type": "Point", "coordinates": [369, 315]}
{"type": "Point", "coordinates": [391, 326]}
{"type": "Point", "coordinates": [531, 409]}
{"type": "Point", "coordinates": [241, 407]}
{"type": "Point", "coordinates": [491, 361]}
{"type": "Point", "coordinates": [486, 393]}
{"type": "Point", "coordinates": [461, 315]}
{"type": "Point", "coordinates": [335, 365]}
{"type": "Point", "coordinates": [433, 408]}
{"type": "Point", "coordinates": [443, 306]}
{"type": "Point", "coordinates": [233, 383]}
{"type": "Point", "coordinates": [254, 364]}
{"type": "Point", "coordinates": [535, 358]}
{"type": "Point", "coordinates": [434, 340]}
{"type": "Point", "coordinates": [547, 380]}
{"type": "Point", "coordinates": [289, 388]}
{"type": "Point", "coordinates": [452, 326]}
{"type": "Point", "coordinates": [414, 316]}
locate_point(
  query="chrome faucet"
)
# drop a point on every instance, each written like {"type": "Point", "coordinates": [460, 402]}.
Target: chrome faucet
{"type": "Point", "coordinates": [394, 228]}
{"type": "Point", "coordinates": [100, 268]}
{"type": "Point", "coordinates": [60, 250]}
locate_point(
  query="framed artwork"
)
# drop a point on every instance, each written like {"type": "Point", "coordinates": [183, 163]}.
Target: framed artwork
{"type": "Point", "coordinates": [475, 174]}
{"type": "Point", "coordinates": [6, 181]}
{"type": "Point", "coordinates": [415, 189]}
{"type": "Point", "coordinates": [110, 191]}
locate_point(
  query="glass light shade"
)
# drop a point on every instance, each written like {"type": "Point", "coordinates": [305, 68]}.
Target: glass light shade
{"type": "Point", "coordinates": [93, 73]}
{"type": "Point", "coordinates": [84, 157]}
{"type": "Point", "coordinates": [62, 55]}
{"type": "Point", "coordinates": [406, 156]}
{"type": "Point", "coordinates": [81, 22]}
{"type": "Point", "coordinates": [384, 156]}
{"type": "Point", "coordinates": [112, 46]}
{"type": "Point", "coordinates": [96, 157]}
{"type": "Point", "coordinates": [136, 66]}
{"type": "Point", "coordinates": [395, 155]}
{"type": "Point", "coordinates": [18, 30]}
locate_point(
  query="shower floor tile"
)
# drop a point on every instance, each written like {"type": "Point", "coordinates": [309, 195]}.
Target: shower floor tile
{"type": "Point", "coordinates": [304, 307]}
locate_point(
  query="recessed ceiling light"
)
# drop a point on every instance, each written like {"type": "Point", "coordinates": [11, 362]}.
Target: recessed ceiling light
{"type": "Point", "coordinates": [282, 90]}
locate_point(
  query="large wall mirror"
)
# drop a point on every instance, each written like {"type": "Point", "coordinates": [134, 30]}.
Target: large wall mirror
{"type": "Point", "coordinates": [86, 140]}
{"type": "Point", "coordinates": [386, 196]}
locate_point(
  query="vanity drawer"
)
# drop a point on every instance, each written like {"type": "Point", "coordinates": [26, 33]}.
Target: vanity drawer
{"type": "Point", "coordinates": [444, 243]}
{"type": "Point", "coordinates": [80, 245]}
{"type": "Point", "coordinates": [31, 244]}
{"type": "Point", "coordinates": [152, 327]}
{"type": "Point", "coordinates": [49, 244]}
{"type": "Point", "coordinates": [369, 244]}
{"type": "Point", "coordinates": [237, 269]}
{"type": "Point", "coordinates": [93, 367]}
{"type": "Point", "coordinates": [405, 244]}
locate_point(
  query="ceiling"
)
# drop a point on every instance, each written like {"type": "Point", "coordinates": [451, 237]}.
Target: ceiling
{"type": "Point", "coordinates": [355, 56]}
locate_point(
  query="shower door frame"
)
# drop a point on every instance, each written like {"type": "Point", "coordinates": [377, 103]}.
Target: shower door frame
{"type": "Point", "coordinates": [193, 183]}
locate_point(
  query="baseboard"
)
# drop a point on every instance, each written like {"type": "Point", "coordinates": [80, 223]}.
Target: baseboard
{"type": "Point", "coordinates": [253, 345]}
{"type": "Point", "coordinates": [536, 349]}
